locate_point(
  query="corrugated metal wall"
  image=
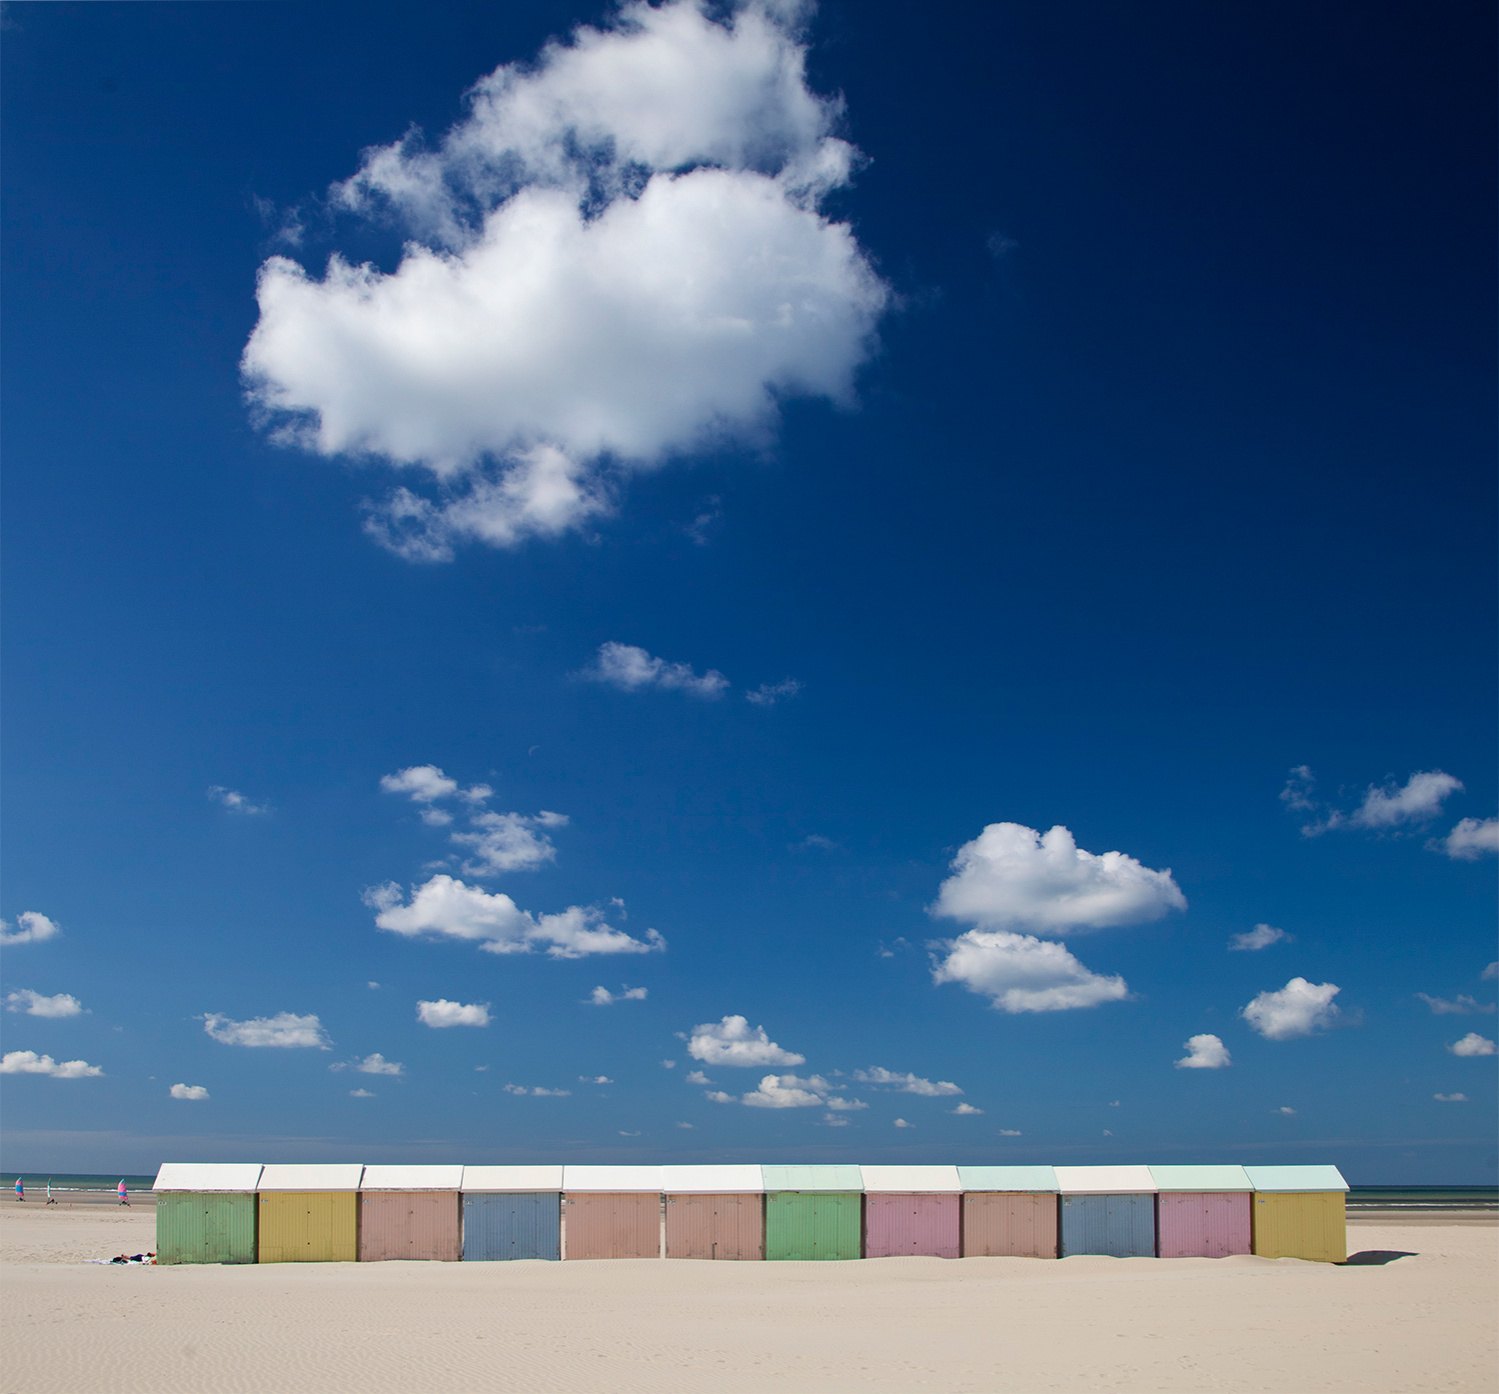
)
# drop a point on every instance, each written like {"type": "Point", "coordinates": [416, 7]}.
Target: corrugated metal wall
{"type": "Point", "coordinates": [926, 1225]}
{"type": "Point", "coordinates": [1191, 1224]}
{"type": "Point", "coordinates": [521, 1224]}
{"type": "Point", "coordinates": [612, 1225]}
{"type": "Point", "coordinates": [813, 1225]}
{"type": "Point", "coordinates": [213, 1227]}
{"type": "Point", "coordinates": [409, 1225]}
{"type": "Point", "coordinates": [1007, 1224]}
{"type": "Point", "coordinates": [1120, 1226]}
{"type": "Point", "coordinates": [1310, 1225]}
{"type": "Point", "coordinates": [715, 1226]}
{"type": "Point", "coordinates": [308, 1227]}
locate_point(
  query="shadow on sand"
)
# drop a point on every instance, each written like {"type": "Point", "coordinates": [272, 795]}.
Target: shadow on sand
{"type": "Point", "coordinates": [1376, 1256]}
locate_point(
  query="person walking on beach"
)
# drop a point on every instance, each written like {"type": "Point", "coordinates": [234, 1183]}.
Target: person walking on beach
{"type": "Point", "coordinates": [20, 1190]}
{"type": "Point", "coordinates": [50, 1201]}
{"type": "Point", "coordinates": [124, 1199]}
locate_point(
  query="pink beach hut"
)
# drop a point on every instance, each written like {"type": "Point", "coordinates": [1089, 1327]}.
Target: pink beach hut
{"type": "Point", "coordinates": [1202, 1211]}
{"type": "Point", "coordinates": [912, 1210]}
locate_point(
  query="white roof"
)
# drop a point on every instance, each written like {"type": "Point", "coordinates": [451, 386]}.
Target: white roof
{"type": "Point", "coordinates": [1008, 1178]}
{"type": "Point", "coordinates": [712, 1180]}
{"type": "Point", "coordinates": [316, 1176]}
{"type": "Point", "coordinates": [1317, 1177]}
{"type": "Point", "coordinates": [512, 1178]}
{"type": "Point", "coordinates": [943, 1180]}
{"type": "Point", "coordinates": [612, 1179]}
{"type": "Point", "coordinates": [421, 1178]}
{"type": "Point", "coordinates": [1104, 1181]}
{"type": "Point", "coordinates": [207, 1176]}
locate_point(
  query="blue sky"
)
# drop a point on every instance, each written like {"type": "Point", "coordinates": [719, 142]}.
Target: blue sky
{"type": "Point", "coordinates": [884, 547]}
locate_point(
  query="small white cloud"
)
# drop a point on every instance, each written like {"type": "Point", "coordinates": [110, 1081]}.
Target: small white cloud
{"type": "Point", "coordinates": [769, 693]}
{"type": "Point", "coordinates": [360, 1094]}
{"type": "Point", "coordinates": [632, 669]}
{"type": "Point", "coordinates": [1492, 971]}
{"type": "Point", "coordinates": [717, 1096]}
{"type": "Point", "coordinates": [697, 1077]}
{"type": "Point", "coordinates": [1471, 839]}
{"type": "Point", "coordinates": [839, 1103]}
{"type": "Point", "coordinates": [1298, 1009]}
{"type": "Point", "coordinates": [1010, 1132]}
{"type": "Point", "coordinates": [236, 802]}
{"type": "Point", "coordinates": [1012, 877]}
{"type": "Point", "coordinates": [623, 1133]}
{"type": "Point", "coordinates": [965, 1110]}
{"type": "Point", "coordinates": [602, 997]}
{"type": "Point", "coordinates": [509, 842]}
{"type": "Point", "coordinates": [1461, 1005]}
{"type": "Point", "coordinates": [444, 1013]}
{"type": "Point", "coordinates": [1297, 794]}
{"type": "Point", "coordinates": [28, 1062]}
{"type": "Point", "coordinates": [815, 842]}
{"type": "Point", "coordinates": [1451, 1098]}
{"type": "Point", "coordinates": [685, 1125]}
{"type": "Point", "coordinates": [901, 1123]}
{"type": "Point", "coordinates": [668, 1064]}
{"type": "Point", "coordinates": [1205, 1052]}
{"type": "Point", "coordinates": [377, 1064]}
{"type": "Point", "coordinates": [196, 1092]}
{"type": "Point", "coordinates": [788, 1091]}
{"type": "Point", "coordinates": [449, 908]}
{"type": "Point", "coordinates": [1021, 973]}
{"type": "Point", "coordinates": [1107, 1133]}
{"type": "Point", "coordinates": [594, 1079]}
{"type": "Point", "coordinates": [1384, 808]}
{"type": "Point", "coordinates": [373, 985]}
{"type": "Point", "coordinates": [285, 1030]}
{"type": "Point", "coordinates": [905, 1083]}
{"type": "Point", "coordinates": [833, 1120]}
{"type": "Point", "coordinates": [31, 928]}
{"type": "Point", "coordinates": [1114, 1104]}
{"type": "Point", "coordinates": [1287, 1112]}
{"type": "Point", "coordinates": [1473, 1044]}
{"type": "Point", "coordinates": [424, 783]}
{"type": "Point", "coordinates": [34, 1004]}
{"type": "Point", "coordinates": [733, 1041]}
{"type": "Point", "coordinates": [537, 1091]}
{"type": "Point", "coordinates": [1260, 937]}
{"type": "Point", "coordinates": [481, 1068]}
{"type": "Point", "coordinates": [436, 817]}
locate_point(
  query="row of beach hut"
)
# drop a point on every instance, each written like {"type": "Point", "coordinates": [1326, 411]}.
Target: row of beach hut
{"type": "Point", "coordinates": [247, 1213]}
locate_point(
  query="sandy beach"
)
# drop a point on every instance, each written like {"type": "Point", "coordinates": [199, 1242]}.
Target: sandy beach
{"type": "Point", "coordinates": [1421, 1321]}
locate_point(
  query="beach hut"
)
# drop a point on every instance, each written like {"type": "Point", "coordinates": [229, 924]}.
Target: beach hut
{"type": "Point", "coordinates": [1107, 1210]}
{"type": "Point", "coordinates": [912, 1211]}
{"type": "Point", "coordinates": [1298, 1212]}
{"type": "Point", "coordinates": [611, 1212]}
{"type": "Point", "coordinates": [309, 1213]}
{"type": "Point", "coordinates": [813, 1212]}
{"type": "Point", "coordinates": [1201, 1211]}
{"type": "Point", "coordinates": [714, 1212]}
{"type": "Point", "coordinates": [512, 1212]}
{"type": "Point", "coordinates": [410, 1212]}
{"type": "Point", "coordinates": [1009, 1212]}
{"type": "Point", "coordinates": [205, 1212]}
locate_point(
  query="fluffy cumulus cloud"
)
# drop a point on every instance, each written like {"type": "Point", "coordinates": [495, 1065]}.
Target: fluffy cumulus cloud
{"type": "Point", "coordinates": [1021, 973]}
{"type": "Point", "coordinates": [633, 669]}
{"type": "Point", "coordinates": [497, 842]}
{"type": "Point", "coordinates": [1385, 807]}
{"type": "Point", "coordinates": [733, 1041]}
{"type": "Point", "coordinates": [444, 1013]}
{"type": "Point", "coordinates": [284, 1030]}
{"type": "Point", "coordinates": [965, 1110]}
{"type": "Point", "coordinates": [30, 928]}
{"type": "Point", "coordinates": [1298, 1009]}
{"type": "Point", "coordinates": [1013, 877]}
{"type": "Point", "coordinates": [1260, 937]}
{"type": "Point", "coordinates": [377, 1064]}
{"type": "Point", "coordinates": [792, 1091]}
{"type": "Point", "coordinates": [446, 908]}
{"type": "Point", "coordinates": [602, 997]}
{"type": "Point", "coordinates": [195, 1093]}
{"type": "Point", "coordinates": [1473, 1044]}
{"type": "Point", "coordinates": [34, 1004]}
{"type": "Point", "coordinates": [236, 802]}
{"type": "Point", "coordinates": [906, 1083]}
{"type": "Point", "coordinates": [619, 253]}
{"type": "Point", "coordinates": [28, 1062]}
{"type": "Point", "coordinates": [1205, 1052]}
{"type": "Point", "coordinates": [1461, 1005]}
{"type": "Point", "coordinates": [1471, 839]}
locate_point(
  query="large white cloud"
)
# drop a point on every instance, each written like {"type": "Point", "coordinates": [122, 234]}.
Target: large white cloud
{"type": "Point", "coordinates": [31, 928]}
{"type": "Point", "coordinates": [733, 1041]}
{"type": "Point", "coordinates": [1021, 973]}
{"type": "Point", "coordinates": [1013, 877]}
{"type": "Point", "coordinates": [1471, 839]}
{"type": "Point", "coordinates": [28, 1062]}
{"type": "Point", "coordinates": [34, 1004]}
{"type": "Point", "coordinates": [1297, 1009]}
{"type": "Point", "coordinates": [1474, 1044]}
{"type": "Point", "coordinates": [284, 1030]}
{"type": "Point", "coordinates": [617, 254]}
{"type": "Point", "coordinates": [449, 908]}
{"type": "Point", "coordinates": [1205, 1052]}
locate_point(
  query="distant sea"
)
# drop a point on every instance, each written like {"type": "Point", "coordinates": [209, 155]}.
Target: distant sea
{"type": "Point", "coordinates": [1359, 1197]}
